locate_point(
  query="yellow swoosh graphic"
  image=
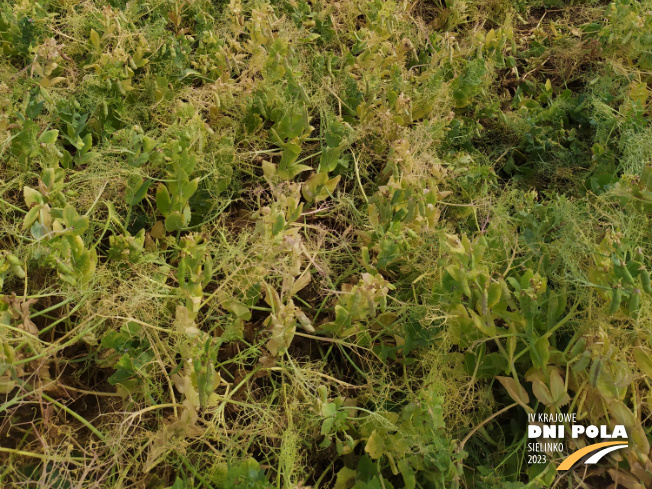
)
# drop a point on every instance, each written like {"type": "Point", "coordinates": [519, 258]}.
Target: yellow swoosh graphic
{"type": "Point", "coordinates": [574, 457]}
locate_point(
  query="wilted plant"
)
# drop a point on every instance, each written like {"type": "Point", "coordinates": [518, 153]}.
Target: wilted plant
{"type": "Point", "coordinates": [321, 244]}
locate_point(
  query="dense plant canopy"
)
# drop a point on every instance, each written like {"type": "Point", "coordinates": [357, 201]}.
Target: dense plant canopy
{"type": "Point", "coordinates": [310, 244]}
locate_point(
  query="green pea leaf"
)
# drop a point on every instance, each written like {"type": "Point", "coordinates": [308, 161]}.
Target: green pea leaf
{"type": "Point", "coordinates": [48, 137]}
{"type": "Point", "coordinates": [189, 188]}
{"type": "Point", "coordinates": [163, 200]}
{"type": "Point", "coordinates": [293, 123]}
{"type": "Point", "coordinates": [279, 224]}
{"type": "Point", "coordinates": [540, 352]}
{"type": "Point", "coordinates": [407, 472]}
{"type": "Point", "coordinates": [174, 221]}
{"type": "Point", "coordinates": [136, 189]}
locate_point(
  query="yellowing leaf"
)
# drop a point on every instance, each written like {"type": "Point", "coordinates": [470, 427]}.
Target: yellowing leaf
{"type": "Point", "coordinates": [454, 244]}
{"type": "Point", "coordinates": [638, 92]}
{"type": "Point", "coordinates": [158, 230]}
{"type": "Point", "coordinates": [558, 389]}
{"type": "Point", "coordinates": [494, 294]}
{"type": "Point", "coordinates": [516, 391]}
{"type": "Point", "coordinates": [48, 137]}
{"type": "Point", "coordinates": [375, 445]}
{"type": "Point", "coordinates": [301, 283]}
{"type": "Point", "coordinates": [50, 82]}
{"type": "Point", "coordinates": [95, 39]}
{"type": "Point", "coordinates": [184, 386]}
{"type": "Point", "coordinates": [7, 385]}
{"type": "Point", "coordinates": [185, 323]}
{"type": "Point", "coordinates": [481, 324]}
{"type": "Point", "coordinates": [621, 413]}
{"type": "Point", "coordinates": [640, 440]}
{"type": "Point", "coordinates": [269, 169]}
{"type": "Point", "coordinates": [345, 478]}
{"type": "Point", "coordinates": [624, 479]}
{"type": "Point", "coordinates": [32, 196]}
{"type": "Point", "coordinates": [491, 35]}
{"type": "Point", "coordinates": [643, 361]}
{"type": "Point", "coordinates": [541, 392]}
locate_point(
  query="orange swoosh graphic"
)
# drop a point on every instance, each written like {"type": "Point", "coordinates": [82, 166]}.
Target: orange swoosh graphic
{"type": "Point", "coordinates": [574, 457]}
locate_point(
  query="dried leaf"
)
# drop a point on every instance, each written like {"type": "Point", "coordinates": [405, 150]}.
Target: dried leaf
{"type": "Point", "coordinates": [301, 283]}
{"type": "Point", "coordinates": [516, 391]}
{"type": "Point", "coordinates": [541, 392]}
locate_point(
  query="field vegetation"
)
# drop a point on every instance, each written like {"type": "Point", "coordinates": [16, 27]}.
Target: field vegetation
{"type": "Point", "coordinates": [304, 244]}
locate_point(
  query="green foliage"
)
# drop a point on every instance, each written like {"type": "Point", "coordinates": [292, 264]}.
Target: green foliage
{"type": "Point", "coordinates": [624, 271]}
{"type": "Point", "coordinates": [57, 225]}
{"type": "Point", "coordinates": [247, 475]}
{"type": "Point", "coordinates": [358, 304]}
{"type": "Point", "coordinates": [309, 244]}
{"type": "Point", "coordinates": [637, 190]}
{"type": "Point", "coordinates": [131, 355]}
{"type": "Point", "coordinates": [410, 443]}
{"type": "Point", "coordinates": [10, 263]}
{"type": "Point", "coordinates": [173, 196]}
